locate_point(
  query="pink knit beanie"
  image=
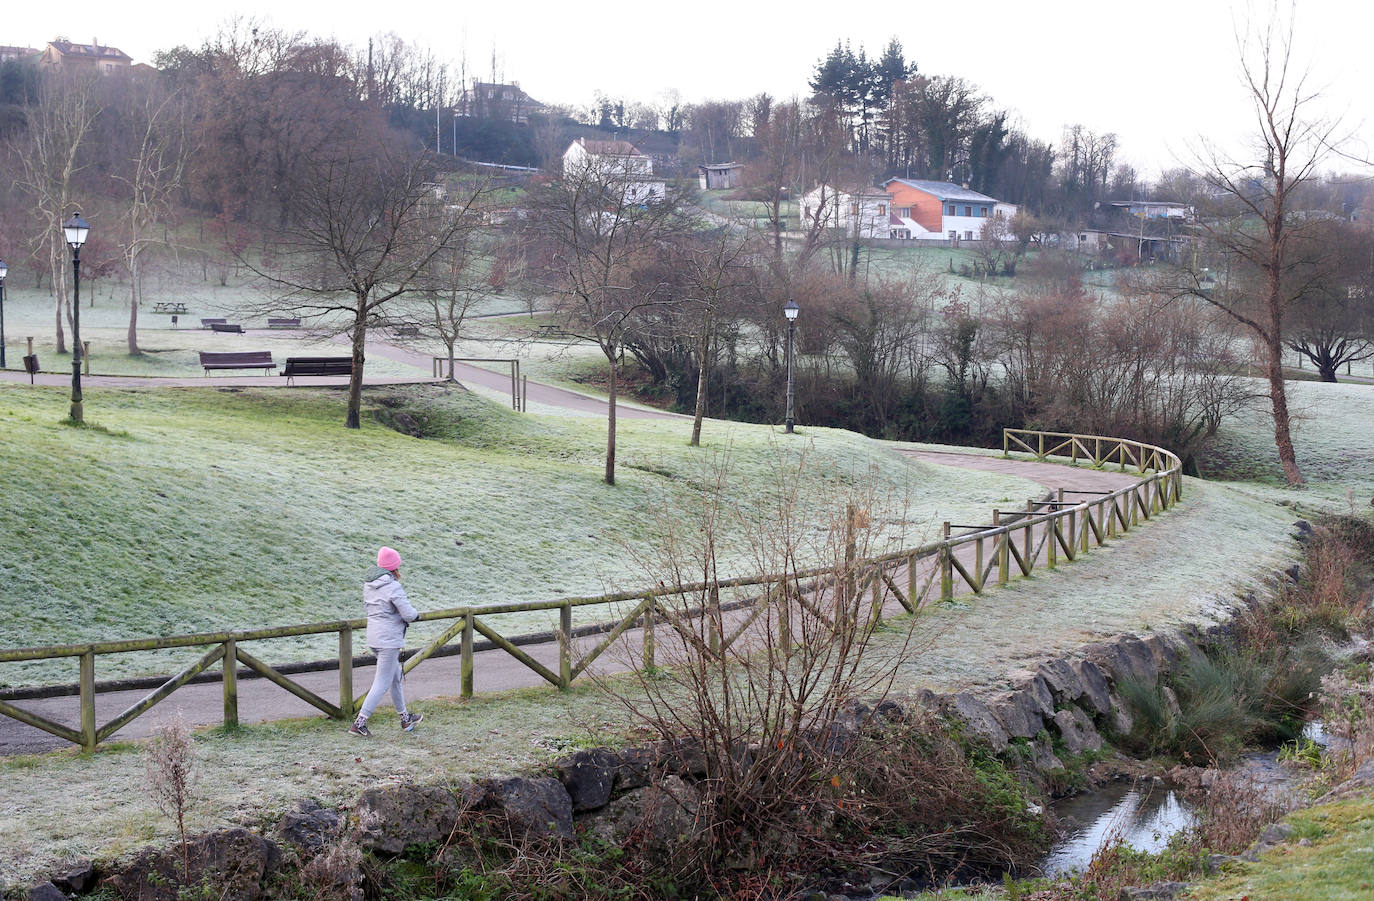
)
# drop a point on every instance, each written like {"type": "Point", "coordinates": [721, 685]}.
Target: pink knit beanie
{"type": "Point", "coordinates": [388, 559]}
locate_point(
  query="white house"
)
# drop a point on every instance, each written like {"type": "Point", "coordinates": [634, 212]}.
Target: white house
{"type": "Point", "coordinates": [861, 208]}
{"type": "Point", "coordinates": [940, 210]}
{"type": "Point", "coordinates": [618, 163]}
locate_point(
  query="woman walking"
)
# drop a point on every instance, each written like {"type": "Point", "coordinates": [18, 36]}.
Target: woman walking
{"type": "Point", "coordinates": [389, 613]}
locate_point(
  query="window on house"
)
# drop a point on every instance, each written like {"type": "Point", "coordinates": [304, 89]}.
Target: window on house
{"type": "Point", "coordinates": [951, 210]}
{"type": "Point", "coordinates": [806, 211]}
{"type": "Point", "coordinates": [882, 209]}
{"type": "Point", "coordinates": [904, 212]}
{"type": "Point", "coordinates": [1082, 239]}
{"type": "Point", "coordinates": [953, 235]}
{"type": "Point", "coordinates": [983, 212]}
{"type": "Point", "coordinates": [968, 236]}
{"type": "Point", "coordinates": [968, 211]}
{"type": "Point", "coordinates": [853, 209]}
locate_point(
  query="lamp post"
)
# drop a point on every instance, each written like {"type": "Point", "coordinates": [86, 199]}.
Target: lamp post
{"type": "Point", "coordinates": [76, 230]}
{"type": "Point", "coordinates": [4, 271]}
{"type": "Point", "coordinates": [790, 311]}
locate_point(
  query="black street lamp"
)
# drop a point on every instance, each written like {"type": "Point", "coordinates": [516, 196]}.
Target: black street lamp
{"type": "Point", "coordinates": [790, 311]}
{"type": "Point", "coordinates": [76, 230]}
{"type": "Point", "coordinates": [4, 271]}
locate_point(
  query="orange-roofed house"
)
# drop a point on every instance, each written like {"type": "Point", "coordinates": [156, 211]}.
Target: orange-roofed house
{"type": "Point", "coordinates": [940, 210]}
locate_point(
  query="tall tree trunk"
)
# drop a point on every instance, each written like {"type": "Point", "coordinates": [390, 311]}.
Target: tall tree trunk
{"type": "Point", "coordinates": [1283, 437]}
{"type": "Point", "coordinates": [703, 347]}
{"type": "Point", "coordinates": [134, 298]}
{"type": "Point", "coordinates": [610, 423]}
{"type": "Point", "coordinates": [353, 419]}
{"type": "Point", "coordinates": [59, 291]}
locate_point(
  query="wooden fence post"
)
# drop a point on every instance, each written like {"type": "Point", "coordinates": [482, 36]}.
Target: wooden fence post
{"type": "Point", "coordinates": [466, 668]}
{"type": "Point", "coordinates": [88, 701]}
{"type": "Point", "coordinates": [231, 684]}
{"type": "Point", "coordinates": [1002, 550]}
{"type": "Point", "coordinates": [715, 628]}
{"type": "Point", "coordinates": [565, 646]}
{"type": "Point", "coordinates": [911, 582]}
{"type": "Point", "coordinates": [648, 640]}
{"type": "Point", "coordinates": [946, 568]}
{"type": "Point", "coordinates": [1027, 538]}
{"type": "Point", "coordinates": [978, 565]}
{"type": "Point", "coordinates": [346, 672]}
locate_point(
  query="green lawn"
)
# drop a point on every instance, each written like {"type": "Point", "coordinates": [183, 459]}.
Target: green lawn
{"type": "Point", "coordinates": [203, 509]}
{"type": "Point", "coordinates": [1337, 865]}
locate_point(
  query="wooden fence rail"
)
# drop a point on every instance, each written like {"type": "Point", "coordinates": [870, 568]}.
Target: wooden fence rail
{"type": "Point", "coordinates": [1013, 544]}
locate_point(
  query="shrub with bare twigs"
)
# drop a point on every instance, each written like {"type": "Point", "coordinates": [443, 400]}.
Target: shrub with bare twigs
{"type": "Point", "coordinates": [169, 765]}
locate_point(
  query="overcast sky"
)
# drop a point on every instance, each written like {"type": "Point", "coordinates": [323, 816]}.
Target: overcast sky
{"type": "Point", "coordinates": [1158, 74]}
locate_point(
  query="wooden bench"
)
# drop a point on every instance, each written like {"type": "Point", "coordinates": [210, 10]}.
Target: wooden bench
{"type": "Point", "coordinates": [316, 366]}
{"type": "Point", "coordinates": [232, 327]}
{"type": "Point", "coordinates": [251, 359]}
{"type": "Point", "coordinates": [407, 331]}
{"type": "Point", "coordinates": [169, 306]}
{"type": "Point", "coordinates": [283, 323]}
{"type": "Point", "coordinates": [207, 323]}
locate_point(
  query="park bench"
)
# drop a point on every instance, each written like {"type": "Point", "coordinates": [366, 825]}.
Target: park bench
{"type": "Point", "coordinates": [169, 306]}
{"type": "Point", "coordinates": [251, 359]}
{"type": "Point", "coordinates": [232, 327]}
{"type": "Point", "coordinates": [283, 323]}
{"type": "Point", "coordinates": [407, 331]}
{"type": "Point", "coordinates": [550, 331]}
{"type": "Point", "coordinates": [207, 323]}
{"type": "Point", "coordinates": [316, 366]}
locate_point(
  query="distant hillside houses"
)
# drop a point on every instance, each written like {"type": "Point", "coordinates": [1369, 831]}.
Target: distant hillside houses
{"type": "Point", "coordinates": [493, 100]}
{"type": "Point", "coordinates": [71, 57]}
{"type": "Point", "coordinates": [941, 211]}
{"type": "Point", "coordinates": [857, 210]}
{"type": "Point", "coordinates": [619, 163]}
{"type": "Point", "coordinates": [905, 209]}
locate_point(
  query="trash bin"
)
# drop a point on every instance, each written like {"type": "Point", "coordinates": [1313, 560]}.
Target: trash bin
{"type": "Point", "coordinates": [31, 365]}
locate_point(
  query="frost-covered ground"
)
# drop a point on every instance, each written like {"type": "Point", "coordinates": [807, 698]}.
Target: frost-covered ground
{"type": "Point", "coordinates": [203, 509]}
{"type": "Point", "coordinates": [1333, 435]}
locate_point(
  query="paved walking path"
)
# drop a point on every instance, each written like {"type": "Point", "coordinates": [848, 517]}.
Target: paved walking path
{"type": "Point", "coordinates": [495, 670]}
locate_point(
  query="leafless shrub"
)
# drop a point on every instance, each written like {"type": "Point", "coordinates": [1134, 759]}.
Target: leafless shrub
{"type": "Point", "coordinates": [778, 694]}
{"type": "Point", "coordinates": [169, 767]}
{"type": "Point", "coordinates": [1347, 703]}
{"type": "Point", "coordinates": [1232, 808]}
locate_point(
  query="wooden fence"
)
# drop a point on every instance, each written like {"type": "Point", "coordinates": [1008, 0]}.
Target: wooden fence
{"type": "Point", "coordinates": [1009, 546]}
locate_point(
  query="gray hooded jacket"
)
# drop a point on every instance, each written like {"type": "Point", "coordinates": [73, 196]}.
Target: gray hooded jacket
{"type": "Point", "coordinates": [388, 610]}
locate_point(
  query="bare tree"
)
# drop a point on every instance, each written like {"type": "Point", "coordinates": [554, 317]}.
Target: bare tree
{"type": "Point", "coordinates": [152, 175]}
{"type": "Point", "coordinates": [365, 226]}
{"type": "Point", "coordinates": [1291, 139]}
{"type": "Point", "coordinates": [597, 230]}
{"type": "Point", "coordinates": [1333, 321]}
{"type": "Point", "coordinates": [56, 127]}
{"type": "Point", "coordinates": [716, 271]}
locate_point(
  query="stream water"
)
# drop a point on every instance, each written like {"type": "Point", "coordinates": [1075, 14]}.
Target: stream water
{"type": "Point", "coordinates": [1143, 814]}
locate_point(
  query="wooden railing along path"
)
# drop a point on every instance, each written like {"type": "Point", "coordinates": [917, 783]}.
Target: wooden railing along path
{"type": "Point", "coordinates": [960, 562]}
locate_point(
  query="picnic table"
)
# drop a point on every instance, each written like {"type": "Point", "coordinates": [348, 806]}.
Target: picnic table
{"type": "Point", "coordinates": [169, 306]}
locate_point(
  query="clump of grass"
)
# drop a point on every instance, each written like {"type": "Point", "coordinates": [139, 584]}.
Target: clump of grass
{"type": "Point", "coordinates": [1225, 701]}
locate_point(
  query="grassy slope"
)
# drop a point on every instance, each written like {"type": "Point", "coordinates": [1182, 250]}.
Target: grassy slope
{"type": "Point", "coordinates": [206, 509]}
{"type": "Point", "coordinates": [1338, 865]}
{"type": "Point", "coordinates": [253, 775]}
{"type": "Point", "coordinates": [1331, 434]}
